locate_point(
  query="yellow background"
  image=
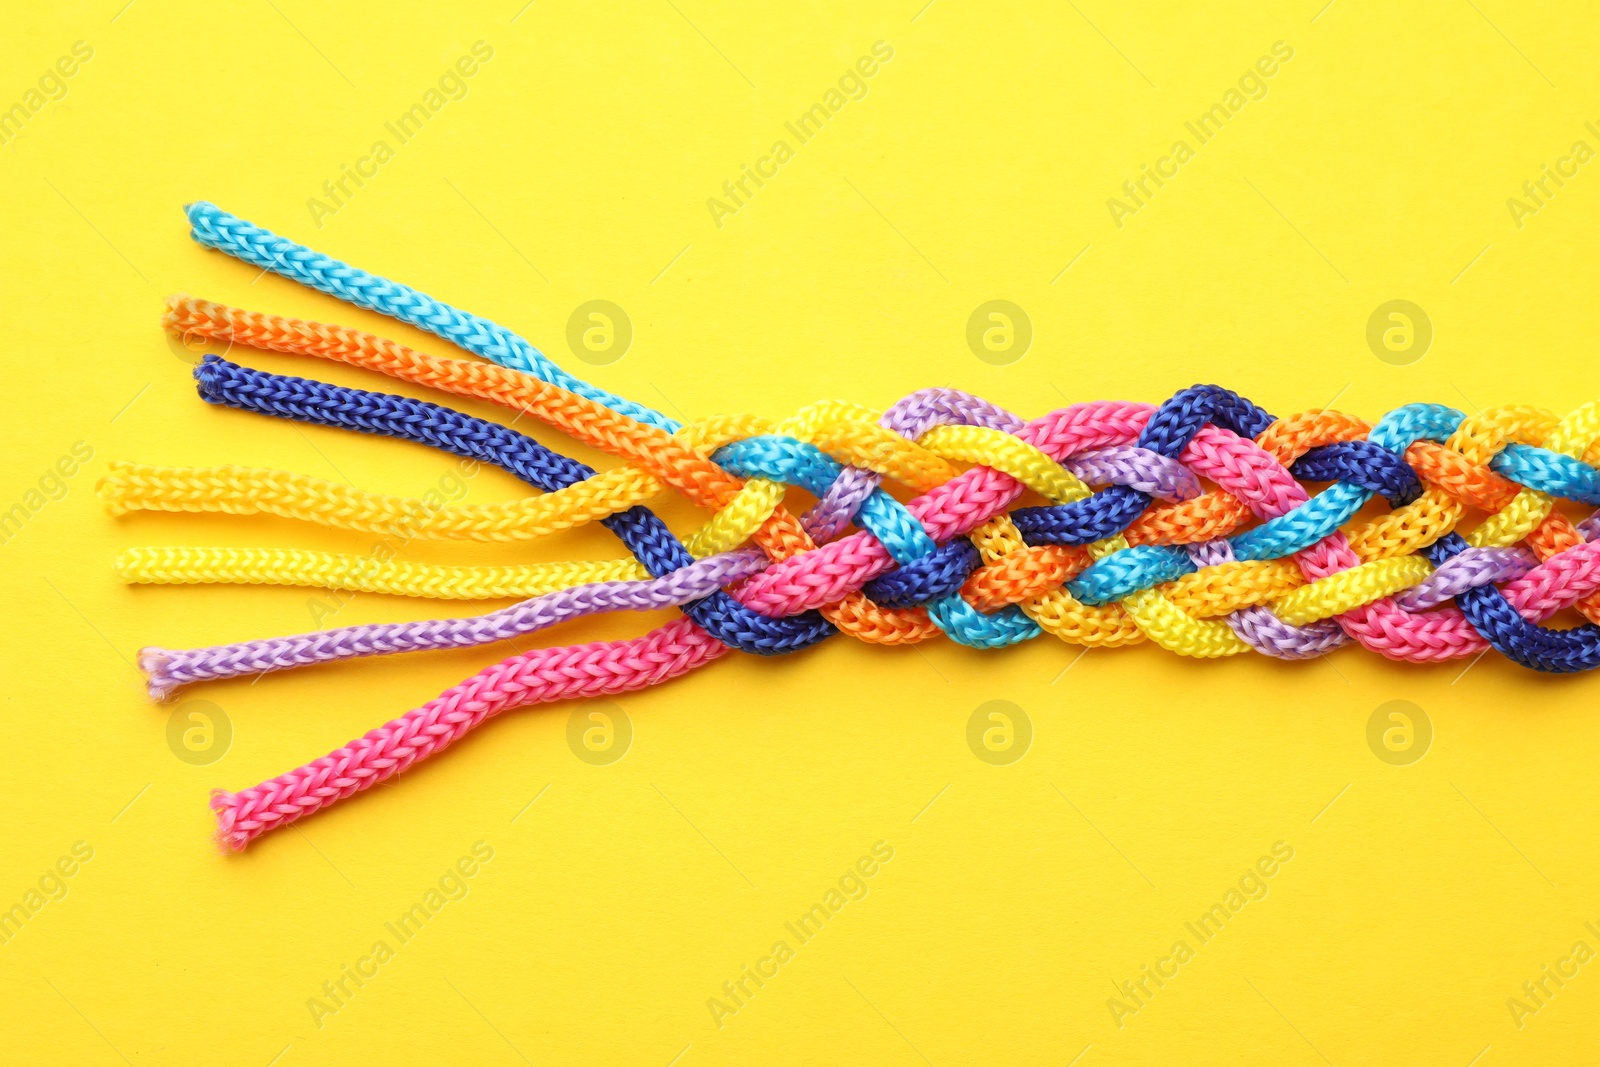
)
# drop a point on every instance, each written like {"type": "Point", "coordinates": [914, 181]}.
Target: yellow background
{"type": "Point", "coordinates": [978, 166]}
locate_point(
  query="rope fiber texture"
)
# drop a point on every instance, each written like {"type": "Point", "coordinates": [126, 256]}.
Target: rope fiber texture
{"type": "Point", "coordinates": [1188, 524]}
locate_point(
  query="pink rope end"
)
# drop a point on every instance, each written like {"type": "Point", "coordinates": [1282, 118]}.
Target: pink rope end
{"type": "Point", "coordinates": [226, 805]}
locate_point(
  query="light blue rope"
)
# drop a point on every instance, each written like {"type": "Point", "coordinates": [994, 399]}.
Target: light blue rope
{"type": "Point", "coordinates": [215, 228]}
{"type": "Point", "coordinates": [1550, 472]}
{"type": "Point", "coordinates": [1129, 570]}
{"type": "Point", "coordinates": [793, 462]}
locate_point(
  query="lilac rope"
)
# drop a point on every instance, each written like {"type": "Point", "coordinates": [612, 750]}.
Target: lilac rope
{"type": "Point", "coordinates": [1265, 632]}
{"type": "Point", "coordinates": [911, 416]}
{"type": "Point", "coordinates": [1590, 527]}
{"type": "Point", "coordinates": [1261, 628]}
{"type": "Point", "coordinates": [1140, 468]}
{"type": "Point", "coordinates": [168, 669]}
{"type": "Point", "coordinates": [1467, 569]}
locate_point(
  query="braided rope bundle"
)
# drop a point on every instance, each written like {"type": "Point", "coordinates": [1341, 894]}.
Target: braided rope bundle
{"type": "Point", "coordinates": [1129, 544]}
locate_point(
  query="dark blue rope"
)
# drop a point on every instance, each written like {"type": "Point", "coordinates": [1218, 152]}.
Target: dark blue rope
{"type": "Point", "coordinates": [921, 581]}
{"type": "Point", "coordinates": [644, 534]}
{"type": "Point", "coordinates": [939, 574]}
{"type": "Point", "coordinates": [1169, 431]}
{"type": "Point", "coordinates": [1527, 643]}
{"type": "Point", "coordinates": [1361, 463]}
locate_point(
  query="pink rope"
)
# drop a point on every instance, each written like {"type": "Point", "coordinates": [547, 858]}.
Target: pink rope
{"type": "Point", "coordinates": [534, 677]}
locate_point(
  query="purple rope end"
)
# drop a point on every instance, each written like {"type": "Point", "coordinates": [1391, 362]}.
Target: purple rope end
{"type": "Point", "coordinates": [159, 680]}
